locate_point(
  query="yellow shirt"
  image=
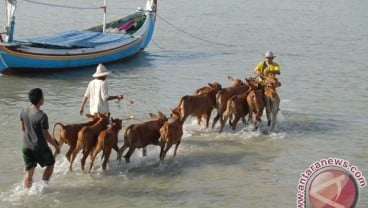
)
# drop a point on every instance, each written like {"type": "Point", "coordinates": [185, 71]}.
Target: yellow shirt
{"type": "Point", "coordinates": [263, 69]}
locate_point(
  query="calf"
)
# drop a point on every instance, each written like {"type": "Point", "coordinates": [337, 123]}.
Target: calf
{"type": "Point", "coordinates": [87, 138]}
{"type": "Point", "coordinates": [68, 134]}
{"type": "Point", "coordinates": [272, 100]}
{"type": "Point", "coordinates": [196, 105]}
{"type": "Point", "coordinates": [142, 134]}
{"type": "Point", "coordinates": [211, 89]}
{"type": "Point", "coordinates": [255, 103]}
{"type": "Point", "coordinates": [171, 133]}
{"type": "Point", "coordinates": [236, 106]}
{"type": "Point", "coordinates": [203, 90]}
{"type": "Point", "coordinates": [223, 96]}
{"type": "Point", "coordinates": [106, 141]}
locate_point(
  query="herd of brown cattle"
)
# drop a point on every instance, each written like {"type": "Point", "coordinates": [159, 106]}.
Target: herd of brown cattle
{"type": "Point", "coordinates": [232, 103]}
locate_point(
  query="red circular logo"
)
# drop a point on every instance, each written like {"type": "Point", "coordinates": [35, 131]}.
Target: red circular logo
{"type": "Point", "coordinates": [332, 187]}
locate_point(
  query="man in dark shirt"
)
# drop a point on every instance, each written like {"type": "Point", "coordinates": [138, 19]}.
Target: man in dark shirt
{"type": "Point", "coordinates": [35, 125]}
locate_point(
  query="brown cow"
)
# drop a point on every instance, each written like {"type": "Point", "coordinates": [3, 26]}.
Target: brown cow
{"type": "Point", "coordinates": [87, 138]}
{"type": "Point", "coordinates": [142, 134]}
{"type": "Point", "coordinates": [68, 134]}
{"type": "Point", "coordinates": [255, 100]}
{"type": "Point", "coordinates": [196, 105]}
{"type": "Point", "coordinates": [223, 95]}
{"type": "Point", "coordinates": [209, 88]}
{"type": "Point", "coordinates": [106, 141]}
{"type": "Point", "coordinates": [237, 106]}
{"type": "Point", "coordinates": [171, 133]}
{"type": "Point", "coordinates": [272, 100]}
{"type": "Point", "coordinates": [212, 89]}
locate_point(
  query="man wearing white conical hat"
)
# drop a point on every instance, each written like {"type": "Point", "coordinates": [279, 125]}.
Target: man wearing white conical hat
{"type": "Point", "coordinates": [97, 93]}
{"type": "Point", "coordinates": [267, 67]}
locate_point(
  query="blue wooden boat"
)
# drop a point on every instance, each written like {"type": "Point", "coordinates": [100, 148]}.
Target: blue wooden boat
{"type": "Point", "coordinates": [104, 43]}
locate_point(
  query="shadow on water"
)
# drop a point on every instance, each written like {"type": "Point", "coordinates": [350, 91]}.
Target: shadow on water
{"type": "Point", "coordinates": [310, 124]}
{"type": "Point", "coordinates": [128, 194]}
{"type": "Point", "coordinates": [148, 175]}
{"type": "Point", "coordinates": [176, 166]}
{"type": "Point", "coordinates": [142, 59]}
{"type": "Point", "coordinates": [192, 154]}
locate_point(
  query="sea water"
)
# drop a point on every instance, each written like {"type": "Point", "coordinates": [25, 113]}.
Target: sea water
{"type": "Point", "coordinates": [320, 46]}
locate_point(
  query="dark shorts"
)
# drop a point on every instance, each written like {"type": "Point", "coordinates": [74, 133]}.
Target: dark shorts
{"type": "Point", "coordinates": [32, 157]}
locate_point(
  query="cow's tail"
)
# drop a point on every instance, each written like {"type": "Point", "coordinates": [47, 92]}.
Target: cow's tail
{"type": "Point", "coordinates": [165, 134]}
{"type": "Point", "coordinates": [126, 133]}
{"type": "Point", "coordinates": [127, 139]}
{"type": "Point", "coordinates": [182, 107]}
{"type": "Point", "coordinates": [229, 107]}
{"type": "Point", "coordinates": [218, 100]}
{"type": "Point", "coordinates": [53, 132]}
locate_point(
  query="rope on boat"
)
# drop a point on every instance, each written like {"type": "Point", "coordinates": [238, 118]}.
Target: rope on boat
{"type": "Point", "coordinates": [157, 44]}
{"type": "Point", "coordinates": [191, 35]}
{"type": "Point", "coordinates": [59, 5]}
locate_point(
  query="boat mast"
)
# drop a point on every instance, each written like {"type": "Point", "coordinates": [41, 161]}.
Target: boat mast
{"type": "Point", "coordinates": [10, 19]}
{"type": "Point", "coordinates": [104, 17]}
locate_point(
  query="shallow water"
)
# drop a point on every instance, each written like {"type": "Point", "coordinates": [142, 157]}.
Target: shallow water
{"type": "Point", "coordinates": [320, 46]}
